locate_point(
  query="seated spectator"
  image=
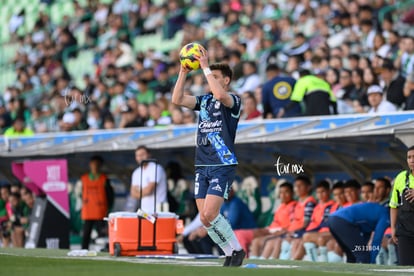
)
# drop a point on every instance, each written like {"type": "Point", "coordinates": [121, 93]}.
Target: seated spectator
{"type": "Point", "coordinates": [408, 93]}
{"type": "Point", "coordinates": [332, 77]}
{"type": "Point", "coordinates": [156, 117]}
{"type": "Point", "coordinates": [352, 190]}
{"type": "Point", "coordinates": [345, 96]}
{"type": "Point", "coordinates": [405, 61]}
{"type": "Point", "coordinates": [250, 79]}
{"type": "Point", "coordinates": [318, 225]}
{"type": "Point", "coordinates": [4, 215]}
{"type": "Point", "coordinates": [329, 250]}
{"type": "Point", "coordinates": [189, 116]}
{"type": "Point", "coordinates": [393, 84]}
{"type": "Point", "coordinates": [15, 214]}
{"type": "Point", "coordinates": [108, 122]}
{"type": "Point", "coordinates": [177, 116]}
{"type": "Point", "coordinates": [259, 240]}
{"type": "Point", "coordinates": [249, 111]}
{"type": "Point", "coordinates": [298, 47]}
{"type": "Point", "coordinates": [164, 85]}
{"type": "Point", "coordinates": [5, 119]}
{"type": "Point", "coordinates": [376, 101]}
{"type": "Point", "coordinates": [175, 19]}
{"type": "Point", "coordinates": [18, 128]}
{"type": "Point", "coordinates": [360, 104]}
{"type": "Point", "coordinates": [130, 118]}
{"type": "Point", "coordinates": [93, 117]}
{"type": "Point", "coordinates": [291, 245]}
{"type": "Point", "coordinates": [387, 254]}
{"type": "Point", "coordinates": [28, 200]}
{"type": "Point", "coordinates": [79, 122]}
{"type": "Point", "coordinates": [145, 94]}
{"type": "Point", "coordinates": [367, 191]}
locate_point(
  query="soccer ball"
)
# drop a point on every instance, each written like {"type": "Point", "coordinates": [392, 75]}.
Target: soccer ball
{"type": "Point", "coordinates": [187, 56]}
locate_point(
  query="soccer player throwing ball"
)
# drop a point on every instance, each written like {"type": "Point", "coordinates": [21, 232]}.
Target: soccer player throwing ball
{"type": "Point", "coordinates": [215, 160]}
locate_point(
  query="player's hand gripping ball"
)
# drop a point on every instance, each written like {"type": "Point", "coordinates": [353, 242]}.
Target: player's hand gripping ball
{"type": "Point", "coordinates": [187, 56]}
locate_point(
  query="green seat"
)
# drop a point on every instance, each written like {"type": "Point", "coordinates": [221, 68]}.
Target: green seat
{"type": "Point", "coordinates": [81, 65]}
{"type": "Point", "coordinates": [106, 1]}
{"type": "Point", "coordinates": [171, 44]}
{"type": "Point", "coordinates": [144, 42]}
{"type": "Point", "coordinates": [59, 10]}
{"type": "Point", "coordinates": [7, 77]}
{"type": "Point", "coordinates": [4, 34]}
{"type": "Point", "coordinates": [7, 53]}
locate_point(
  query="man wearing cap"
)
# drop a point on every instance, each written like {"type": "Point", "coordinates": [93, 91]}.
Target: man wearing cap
{"type": "Point", "coordinates": [376, 102]}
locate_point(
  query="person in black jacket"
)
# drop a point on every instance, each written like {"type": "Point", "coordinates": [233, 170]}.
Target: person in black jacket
{"type": "Point", "coordinates": [394, 83]}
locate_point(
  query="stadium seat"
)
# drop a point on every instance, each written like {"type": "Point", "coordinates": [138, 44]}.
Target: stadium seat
{"type": "Point", "coordinates": [4, 33]}
{"type": "Point", "coordinates": [144, 42]}
{"type": "Point", "coordinates": [7, 53]}
{"type": "Point", "coordinates": [174, 43]}
{"type": "Point", "coordinates": [80, 66]}
{"type": "Point", "coordinates": [7, 77]}
{"type": "Point", "coordinates": [59, 10]}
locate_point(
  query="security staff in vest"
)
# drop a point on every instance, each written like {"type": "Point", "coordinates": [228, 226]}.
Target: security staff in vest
{"type": "Point", "coordinates": [402, 211]}
{"type": "Point", "coordinates": [314, 94]}
{"type": "Point", "coordinates": [97, 199]}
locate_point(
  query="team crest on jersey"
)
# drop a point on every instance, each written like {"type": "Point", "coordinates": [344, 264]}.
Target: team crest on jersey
{"type": "Point", "coordinates": [217, 105]}
{"type": "Point", "coordinates": [282, 90]}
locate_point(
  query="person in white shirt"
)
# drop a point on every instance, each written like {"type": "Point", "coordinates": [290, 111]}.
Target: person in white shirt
{"type": "Point", "coordinates": [149, 183]}
{"type": "Point", "coordinates": [376, 101]}
{"type": "Point", "coordinates": [250, 80]}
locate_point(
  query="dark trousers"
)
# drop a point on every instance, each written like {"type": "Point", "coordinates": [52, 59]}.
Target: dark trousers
{"type": "Point", "coordinates": [87, 230]}
{"type": "Point", "coordinates": [350, 238]}
{"type": "Point", "coordinates": [200, 246]}
{"type": "Point", "coordinates": [405, 250]}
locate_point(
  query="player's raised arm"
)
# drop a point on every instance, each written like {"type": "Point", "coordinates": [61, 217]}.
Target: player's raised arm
{"type": "Point", "coordinates": [219, 85]}
{"type": "Point", "coordinates": [178, 96]}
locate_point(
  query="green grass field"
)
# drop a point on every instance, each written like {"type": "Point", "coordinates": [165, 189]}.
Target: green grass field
{"type": "Point", "coordinates": [48, 262]}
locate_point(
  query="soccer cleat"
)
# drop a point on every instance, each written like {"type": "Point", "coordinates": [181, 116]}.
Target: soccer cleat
{"type": "Point", "coordinates": [227, 261]}
{"type": "Point", "coordinates": [237, 258]}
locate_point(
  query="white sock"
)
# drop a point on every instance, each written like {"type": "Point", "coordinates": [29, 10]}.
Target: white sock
{"type": "Point", "coordinates": [323, 254]}
{"type": "Point", "coordinates": [310, 249]}
{"type": "Point", "coordinates": [392, 254]}
{"type": "Point", "coordinates": [382, 257]}
{"type": "Point", "coordinates": [221, 233]}
{"type": "Point", "coordinates": [285, 251]}
{"type": "Point", "coordinates": [334, 258]}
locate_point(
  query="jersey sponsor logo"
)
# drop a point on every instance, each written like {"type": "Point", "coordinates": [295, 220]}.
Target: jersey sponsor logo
{"type": "Point", "coordinates": [282, 90]}
{"type": "Point", "coordinates": [207, 126]}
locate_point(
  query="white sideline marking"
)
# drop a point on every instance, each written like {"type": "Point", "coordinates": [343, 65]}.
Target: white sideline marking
{"type": "Point", "coordinates": [394, 270]}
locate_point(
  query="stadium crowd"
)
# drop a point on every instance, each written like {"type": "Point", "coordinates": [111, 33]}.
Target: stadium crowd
{"type": "Point", "coordinates": [290, 58]}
